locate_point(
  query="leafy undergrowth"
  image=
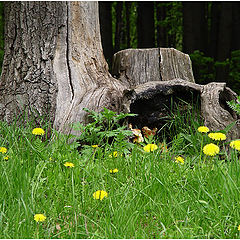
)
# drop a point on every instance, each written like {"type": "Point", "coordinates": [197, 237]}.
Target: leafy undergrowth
{"type": "Point", "coordinates": [165, 190]}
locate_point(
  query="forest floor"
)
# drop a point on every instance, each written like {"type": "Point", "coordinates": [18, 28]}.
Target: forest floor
{"type": "Point", "coordinates": [105, 186]}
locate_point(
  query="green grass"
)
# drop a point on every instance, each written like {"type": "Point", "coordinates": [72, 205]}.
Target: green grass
{"type": "Point", "coordinates": [151, 196]}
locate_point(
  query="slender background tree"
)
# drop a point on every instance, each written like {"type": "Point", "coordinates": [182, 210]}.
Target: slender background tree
{"type": "Point", "coordinates": [145, 24]}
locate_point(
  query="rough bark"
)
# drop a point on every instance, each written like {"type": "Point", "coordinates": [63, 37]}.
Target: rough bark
{"type": "Point", "coordinates": [54, 63]}
{"type": "Point", "coordinates": [152, 102]}
{"type": "Point", "coordinates": [137, 66]}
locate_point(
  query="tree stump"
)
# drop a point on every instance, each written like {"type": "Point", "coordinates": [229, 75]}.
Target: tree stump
{"type": "Point", "coordinates": [137, 66]}
{"type": "Point", "coordinates": [153, 76]}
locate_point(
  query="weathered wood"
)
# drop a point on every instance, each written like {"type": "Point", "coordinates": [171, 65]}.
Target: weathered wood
{"type": "Point", "coordinates": [54, 64]}
{"type": "Point", "coordinates": [137, 66]}
{"type": "Point", "coordinates": [216, 112]}
{"type": "Point", "coordinates": [150, 101]}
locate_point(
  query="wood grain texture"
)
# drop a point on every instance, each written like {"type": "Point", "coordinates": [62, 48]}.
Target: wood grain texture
{"type": "Point", "coordinates": [91, 84]}
{"type": "Point", "coordinates": [217, 114]}
{"type": "Point", "coordinates": [137, 66]}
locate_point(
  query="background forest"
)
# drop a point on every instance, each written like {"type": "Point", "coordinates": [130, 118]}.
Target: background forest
{"type": "Point", "coordinates": [207, 31]}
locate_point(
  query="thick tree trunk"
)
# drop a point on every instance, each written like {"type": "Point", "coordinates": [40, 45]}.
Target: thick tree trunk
{"type": "Point", "coordinates": [54, 63]}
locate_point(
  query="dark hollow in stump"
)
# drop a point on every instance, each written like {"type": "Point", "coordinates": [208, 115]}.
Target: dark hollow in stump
{"type": "Point", "coordinates": [155, 76]}
{"type": "Point", "coordinates": [151, 101]}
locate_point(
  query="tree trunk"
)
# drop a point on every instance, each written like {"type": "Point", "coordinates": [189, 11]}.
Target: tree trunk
{"type": "Point", "coordinates": [235, 45]}
{"type": "Point", "coordinates": [145, 25]}
{"type": "Point", "coordinates": [128, 9]}
{"type": "Point", "coordinates": [214, 29]}
{"type": "Point", "coordinates": [105, 17]}
{"type": "Point", "coordinates": [194, 38]}
{"type": "Point", "coordinates": [161, 28]}
{"type": "Point", "coordinates": [54, 64]}
{"type": "Point", "coordinates": [119, 26]}
{"type": "Point", "coordinates": [224, 40]}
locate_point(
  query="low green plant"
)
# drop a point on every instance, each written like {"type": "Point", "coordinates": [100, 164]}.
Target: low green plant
{"type": "Point", "coordinates": [105, 128]}
{"type": "Point", "coordinates": [235, 105]}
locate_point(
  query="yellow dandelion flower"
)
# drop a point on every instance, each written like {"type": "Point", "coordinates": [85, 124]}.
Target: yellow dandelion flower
{"type": "Point", "coordinates": [179, 159]}
{"type": "Point", "coordinates": [6, 158]}
{"type": "Point", "coordinates": [150, 147]}
{"type": "Point", "coordinates": [235, 144]}
{"type": "Point", "coordinates": [69, 164]}
{"type": "Point", "coordinates": [239, 228]}
{"type": "Point", "coordinates": [203, 129]}
{"type": "Point", "coordinates": [217, 136]}
{"type": "Point", "coordinates": [113, 170]}
{"type": "Point", "coordinates": [100, 194]}
{"type": "Point", "coordinates": [39, 218]}
{"type": "Point", "coordinates": [3, 150]}
{"type": "Point", "coordinates": [115, 154]}
{"type": "Point", "coordinates": [38, 131]}
{"type": "Point", "coordinates": [94, 146]}
{"type": "Point", "coordinates": [211, 149]}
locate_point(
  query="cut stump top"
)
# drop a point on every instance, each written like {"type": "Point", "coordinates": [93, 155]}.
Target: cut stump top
{"type": "Point", "coordinates": [137, 66]}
